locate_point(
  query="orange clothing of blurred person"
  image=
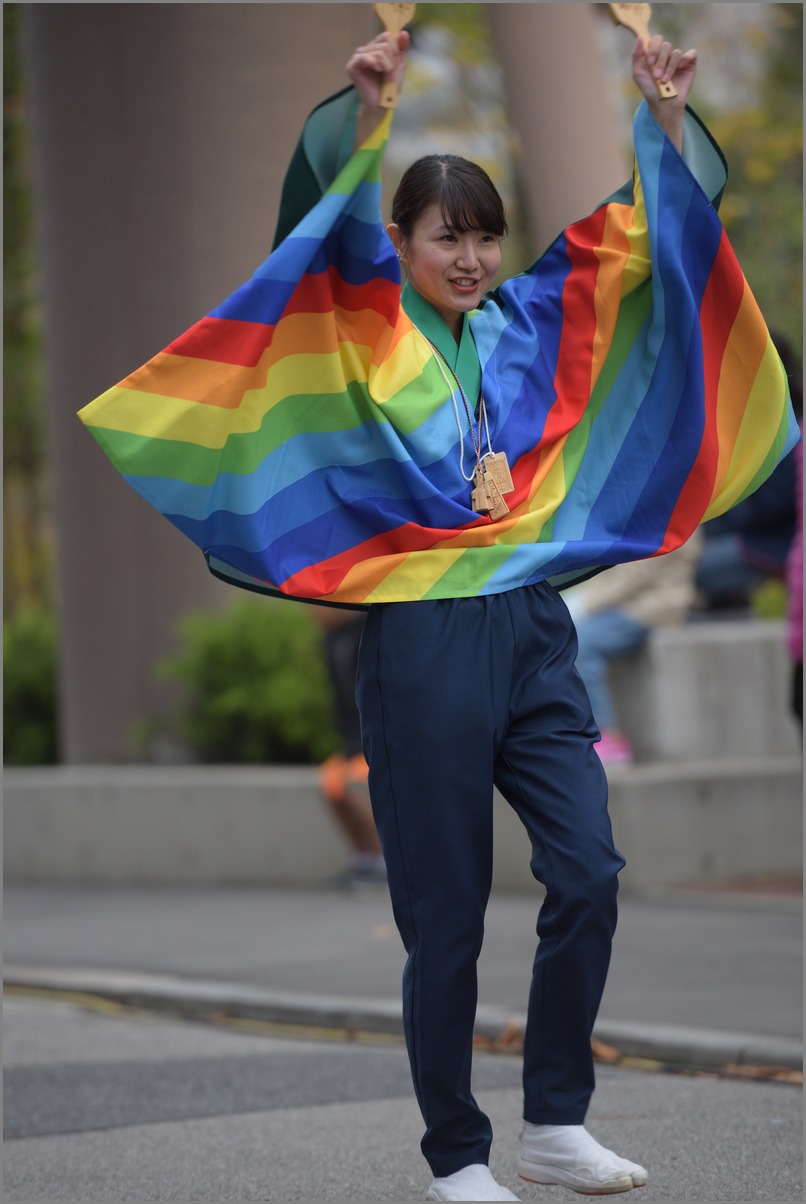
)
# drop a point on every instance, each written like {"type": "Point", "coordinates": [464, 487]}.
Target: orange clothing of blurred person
{"type": "Point", "coordinates": [343, 776]}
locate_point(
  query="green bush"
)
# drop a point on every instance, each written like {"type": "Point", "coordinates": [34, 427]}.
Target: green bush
{"type": "Point", "coordinates": [29, 690]}
{"type": "Point", "coordinates": [256, 686]}
{"type": "Point", "coordinates": [769, 601]}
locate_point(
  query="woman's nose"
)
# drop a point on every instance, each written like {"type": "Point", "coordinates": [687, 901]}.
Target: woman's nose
{"type": "Point", "coordinates": [467, 256]}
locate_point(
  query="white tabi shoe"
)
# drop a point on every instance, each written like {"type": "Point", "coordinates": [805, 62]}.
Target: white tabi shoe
{"type": "Point", "coordinates": [470, 1183]}
{"type": "Point", "coordinates": [567, 1155]}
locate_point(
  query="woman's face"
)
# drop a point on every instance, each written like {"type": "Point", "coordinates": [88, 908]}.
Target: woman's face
{"type": "Point", "coordinates": [451, 270]}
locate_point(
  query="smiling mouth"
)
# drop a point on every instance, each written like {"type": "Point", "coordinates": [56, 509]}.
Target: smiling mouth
{"type": "Point", "coordinates": [466, 282]}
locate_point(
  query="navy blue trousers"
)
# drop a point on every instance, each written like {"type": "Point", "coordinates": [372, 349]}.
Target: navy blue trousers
{"type": "Point", "coordinates": [456, 696]}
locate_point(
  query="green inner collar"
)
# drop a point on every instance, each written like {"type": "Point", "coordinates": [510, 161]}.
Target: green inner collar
{"type": "Point", "coordinates": [462, 358]}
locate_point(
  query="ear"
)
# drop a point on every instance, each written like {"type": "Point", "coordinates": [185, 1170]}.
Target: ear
{"type": "Point", "coordinates": [398, 242]}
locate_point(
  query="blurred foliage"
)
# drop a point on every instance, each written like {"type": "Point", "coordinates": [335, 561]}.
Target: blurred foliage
{"type": "Point", "coordinates": [29, 690]}
{"type": "Point", "coordinates": [255, 683]}
{"type": "Point", "coordinates": [467, 24]}
{"type": "Point", "coordinates": [27, 579]}
{"type": "Point", "coordinates": [761, 136]}
{"type": "Point", "coordinates": [770, 600]}
{"type": "Point", "coordinates": [21, 325]}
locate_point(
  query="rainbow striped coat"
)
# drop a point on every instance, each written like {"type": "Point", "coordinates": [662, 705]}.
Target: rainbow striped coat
{"type": "Point", "coordinates": [303, 435]}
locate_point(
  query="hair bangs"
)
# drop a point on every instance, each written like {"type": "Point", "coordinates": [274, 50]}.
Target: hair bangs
{"type": "Point", "coordinates": [466, 195]}
{"type": "Point", "coordinates": [467, 206]}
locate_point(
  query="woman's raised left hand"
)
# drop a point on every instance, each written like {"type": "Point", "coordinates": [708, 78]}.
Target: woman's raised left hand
{"type": "Point", "coordinates": [659, 61]}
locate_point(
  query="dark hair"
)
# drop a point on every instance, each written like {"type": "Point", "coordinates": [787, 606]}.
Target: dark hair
{"type": "Point", "coordinates": [464, 192]}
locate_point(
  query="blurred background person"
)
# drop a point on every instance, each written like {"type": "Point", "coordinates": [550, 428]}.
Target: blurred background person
{"type": "Point", "coordinates": [614, 614]}
{"type": "Point", "coordinates": [343, 776]}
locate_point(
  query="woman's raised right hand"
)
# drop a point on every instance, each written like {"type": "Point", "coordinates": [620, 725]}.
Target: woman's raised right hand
{"type": "Point", "coordinates": [370, 66]}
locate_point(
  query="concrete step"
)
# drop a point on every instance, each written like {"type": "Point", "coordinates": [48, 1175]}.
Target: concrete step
{"type": "Point", "coordinates": [710, 690]}
{"type": "Point", "coordinates": [677, 825]}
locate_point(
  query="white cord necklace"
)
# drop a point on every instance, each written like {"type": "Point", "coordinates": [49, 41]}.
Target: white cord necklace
{"type": "Point", "coordinates": [491, 477]}
{"type": "Point", "coordinates": [475, 438]}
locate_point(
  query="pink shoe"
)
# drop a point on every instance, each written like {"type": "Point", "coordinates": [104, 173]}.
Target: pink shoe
{"type": "Point", "coordinates": [614, 749]}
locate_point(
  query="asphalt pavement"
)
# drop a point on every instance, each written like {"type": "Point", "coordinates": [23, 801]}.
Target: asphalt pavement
{"type": "Point", "coordinates": [718, 974]}
{"type": "Point", "coordinates": [217, 1044]}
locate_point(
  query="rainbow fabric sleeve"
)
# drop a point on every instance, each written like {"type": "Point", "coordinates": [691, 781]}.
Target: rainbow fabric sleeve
{"type": "Point", "coordinates": [304, 437]}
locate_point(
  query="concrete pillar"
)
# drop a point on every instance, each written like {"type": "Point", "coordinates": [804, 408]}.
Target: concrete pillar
{"type": "Point", "coordinates": [573, 152]}
{"type": "Point", "coordinates": [161, 137]}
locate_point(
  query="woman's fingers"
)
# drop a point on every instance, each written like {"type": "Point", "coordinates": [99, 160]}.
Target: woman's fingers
{"type": "Point", "coordinates": [381, 54]}
{"type": "Point", "coordinates": [659, 62]}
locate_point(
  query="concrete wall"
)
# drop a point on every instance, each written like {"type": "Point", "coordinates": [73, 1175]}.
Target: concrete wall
{"type": "Point", "coordinates": [676, 825]}
{"type": "Point", "coordinates": [708, 691]}
{"type": "Point", "coordinates": [680, 821]}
